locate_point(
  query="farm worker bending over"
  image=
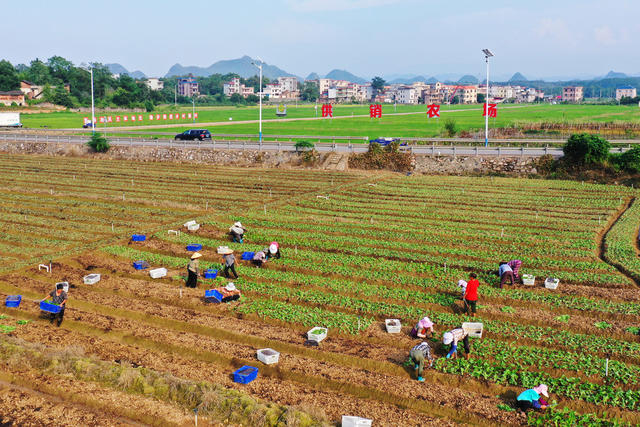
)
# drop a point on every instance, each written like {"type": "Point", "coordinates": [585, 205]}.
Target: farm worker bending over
{"type": "Point", "coordinates": [58, 297]}
{"type": "Point", "coordinates": [423, 328]}
{"type": "Point", "coordinates": [462, 284]}
{"type": "Point", "coordinates": [506, 273]}
{"type": "Point", "coordinates": [515, 265]}
{"type": "Point", "coordinates": [419, 354]}
{"type": "Point", "coordinates": [259, 258]}
{"type": "Point", "coordinates": [193, 269]}
{"type": "Point", "coordinates": [236, 231]}
{"type": "Point", "coordinates": [229, 263]}
{"type": "Point", "coordinates": [453, 337]}
{"type": "Point", "coordinates": [530, 399]}
{"type": "Point", "coordinates": [274, 250]}
{"type": "Point", "coordinates": [471, 294]}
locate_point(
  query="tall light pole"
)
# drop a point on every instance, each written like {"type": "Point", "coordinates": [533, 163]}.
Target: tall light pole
{"type": "Point", "coordinates": [487, 54]}
{"type": "Point", "coordinates": [93, 109]}
{"type": "Point", "coordinates": [259, 67]}
{"type": "Point", "coordinates": [193, 114]}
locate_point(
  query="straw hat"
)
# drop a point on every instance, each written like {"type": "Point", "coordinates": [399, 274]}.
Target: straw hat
{"type": "Point", "coordinates": [196, 255]}
{"type": "Point", "coordinates": [237, 224]}
{"type": "Point", "coordinates": [230, 286]}
{"type": "Point", "coordinates": [447, 338]}
{"type": "Point", "coordinates": [226, 251]}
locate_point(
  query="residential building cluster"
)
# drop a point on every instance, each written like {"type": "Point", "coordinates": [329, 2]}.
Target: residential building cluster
{"type": "Point", "coordinates": [626, 92]}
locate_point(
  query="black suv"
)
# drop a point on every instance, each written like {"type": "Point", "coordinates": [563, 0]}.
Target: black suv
{"type": "Point", "coordinates": [192, 134]}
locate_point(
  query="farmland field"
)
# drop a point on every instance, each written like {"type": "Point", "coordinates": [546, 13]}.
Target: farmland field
{"type": "Point", "coordinates": [401, 121]}
{"type": "Point", "coordinates": [371, 247]}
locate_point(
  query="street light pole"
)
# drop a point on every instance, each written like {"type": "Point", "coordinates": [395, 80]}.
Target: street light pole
{"type": "Point", "coordinates": [260, 96]}
{"type": "Point", "coordinates": [487, 54]}
{"type": "Point", "coordinates": [93, 108]}
{"type": "Point", "coordinates": [193, 114]}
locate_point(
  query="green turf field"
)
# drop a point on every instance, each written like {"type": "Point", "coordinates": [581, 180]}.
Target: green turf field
{"type": "Point", "coordinates": [392, 123]}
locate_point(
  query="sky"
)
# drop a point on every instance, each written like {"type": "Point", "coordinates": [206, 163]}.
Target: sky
{"type": "Point", "coordinates": [540, 39]}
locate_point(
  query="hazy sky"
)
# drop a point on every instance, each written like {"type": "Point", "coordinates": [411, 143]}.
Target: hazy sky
{"type": "Point", "coordinates": [541, 38]}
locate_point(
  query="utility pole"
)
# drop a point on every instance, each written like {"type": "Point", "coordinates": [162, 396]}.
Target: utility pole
{"type": "Point", "coordinates": [487, 54]}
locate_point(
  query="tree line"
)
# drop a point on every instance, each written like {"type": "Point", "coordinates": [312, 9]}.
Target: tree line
{"type": "Point", "coordinates": [123, 90]}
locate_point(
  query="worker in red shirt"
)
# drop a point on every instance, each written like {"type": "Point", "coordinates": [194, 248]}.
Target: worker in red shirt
{"type": "Point", "coordinates": [471, 294]}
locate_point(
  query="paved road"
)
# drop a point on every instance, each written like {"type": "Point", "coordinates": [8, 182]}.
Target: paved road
{"type": "Point", "coordinates": [436, 150]}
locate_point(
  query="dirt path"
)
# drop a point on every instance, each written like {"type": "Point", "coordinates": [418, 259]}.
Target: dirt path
{"type": "Point", "coordinates": [602, 241]}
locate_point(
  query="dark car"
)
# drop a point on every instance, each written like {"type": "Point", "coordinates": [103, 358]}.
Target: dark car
{"type": "Point", "coordinates": [87, 125]}
{"type": "Point", "coordinates": [193, 134]}
{"type": "Point", "coordinates": [386, 141]}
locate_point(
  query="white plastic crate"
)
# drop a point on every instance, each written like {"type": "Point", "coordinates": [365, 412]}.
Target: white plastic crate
{"type": "Point", "coordinates": [268, 356]}
{"type": "Point", "coordinates": [194, 227]}
{"type": "Point", "coordinates": [473, 329]}
{"type": "Point", "coordinates": [91, 279]}
{"type": "Point", "coordinates": [317, 334]}
{"type": "Point", "coordinates": [393, 325]}
{"type": "Point", "coordinates": [157, 273]}
{"type": "Point", "coordinates": [189, 223]}
{"type": "Point", "coordinates": [551, 283]}
{"type": "Point", "coordinates": [349, 421]}
{"type": "Point", "coordinates": [528, 279]}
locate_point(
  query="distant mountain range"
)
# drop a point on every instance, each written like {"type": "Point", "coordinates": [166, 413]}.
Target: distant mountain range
{"type": "Point", "coordinates": [244, 68]}
{"type": "Point", "coordinates": [119, 69]}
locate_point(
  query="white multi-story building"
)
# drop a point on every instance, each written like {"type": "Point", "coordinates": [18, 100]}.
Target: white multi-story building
{"type": "Point", "coordinates": [626, 91]}
{"type": "Point", "coordinates": [234, 86]}
{"type": "Point", "coordinates": [288, 84]}
{"type": "Point", "coordinates": [154, 83]}
{"type": "Point", "coordinates": [407, 95]}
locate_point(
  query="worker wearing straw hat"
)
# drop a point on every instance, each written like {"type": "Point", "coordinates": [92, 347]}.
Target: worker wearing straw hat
{"type": "Point", "coordinates": [274, 250]}
{"type": "Point", "coordinates": [236, 231]}
{"type": "Point", "coordinates": [229, 262]}
{"type": "Point", "coordinates": [193, 268]}
{"type": "Point", "coordinates": [532, 398]}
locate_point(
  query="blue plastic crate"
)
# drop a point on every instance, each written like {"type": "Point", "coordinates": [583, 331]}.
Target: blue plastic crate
{"type": "Point", "coordinates": [138, 237]}
{"type": "Point", "coordinates": [50, 308]}
{"type": "Point", "coordinates": [247, 256]}
{"type": "Point", "coordinates": [245, 375]}
{"type": "Point", "coordinates": [140, 265]}
{"type": "Point", "coordinates": [194, 247]}
{"type": "Point", "coordinates": [213, 295]}
{"type": "Point", "coordinates": [210, 273]}
{"type": "Point", "coordinates": [13, 301]}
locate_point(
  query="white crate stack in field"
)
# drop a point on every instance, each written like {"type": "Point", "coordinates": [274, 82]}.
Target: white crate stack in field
{"type": "Point", "coordinates": [474, 329]}
{"type": "Point", "coordinates": [317, 334]}
{"type": "Point", "coordinates": [350, 421]}
{"type": "Point", "coordinates": [91, 279]}
{"type": "Point", "coordinates": [268, 356]}
{"type": "Point", "coordinates": [528, 279]}
{"type": "Point", "coordinates": [194, 227]}
{"type": "Point", "coordinates": [551, 283]}
{"type": "Point", "coordinates": [393, 326]}
{"type": "Point", "coordinates": [189, 223]}
{"type": "Point", "coordinates": [157, 273]}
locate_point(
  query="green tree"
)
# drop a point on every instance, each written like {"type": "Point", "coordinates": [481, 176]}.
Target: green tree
{"type": "Point", "coordinates": [236, 98]}
{"type": "Point", "coordinates": [586, 149]}
{"type": "Point", "coordinates": [629, 161]}
{"type": "Point", "coordinates": [309, 91]}
{"type": "Point", "coordinates": [8, 77]}
{"type": "Point", "coordinates": [38, 73]}
{"type": "Point", "coordinates": [481, 98]}
{"type": "Point", "coordinates": [378, 83]}
{"type": "Point", "coordinates": [450, 127]}
{"type": "Point", "coordinates": [98, 143]}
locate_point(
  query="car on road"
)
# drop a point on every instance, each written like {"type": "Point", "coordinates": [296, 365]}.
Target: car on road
{"type": "Point", "coordinates": [193, 134]}
{"type": "Point", "coordinates": [87, 125]}
{"type": "Point", "coordinates": [386, 141]}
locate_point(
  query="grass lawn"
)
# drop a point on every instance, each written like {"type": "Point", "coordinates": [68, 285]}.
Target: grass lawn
{"type": "Point", "coordinates": [467, 117]}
